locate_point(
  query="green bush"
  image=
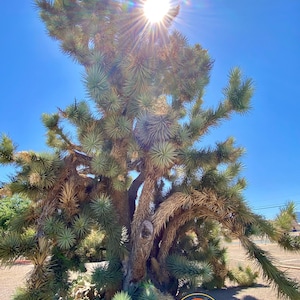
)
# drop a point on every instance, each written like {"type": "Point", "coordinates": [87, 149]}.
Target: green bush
{"type": "Point", "coordinates": [10, 207]}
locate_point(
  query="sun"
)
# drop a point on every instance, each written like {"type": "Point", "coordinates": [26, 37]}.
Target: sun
{"type": "Point", "coordinates": [155, 10]}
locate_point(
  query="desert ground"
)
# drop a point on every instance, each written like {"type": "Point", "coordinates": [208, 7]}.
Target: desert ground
{"type": "Point", "coordinates": [15, 276]}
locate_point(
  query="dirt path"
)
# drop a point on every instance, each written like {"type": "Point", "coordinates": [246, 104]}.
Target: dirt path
{"type": "Point", "coordinates": [11, 278]}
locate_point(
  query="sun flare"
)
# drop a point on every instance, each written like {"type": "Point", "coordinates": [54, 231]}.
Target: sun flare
{"type": "Point", "coordinates": [155, 10]}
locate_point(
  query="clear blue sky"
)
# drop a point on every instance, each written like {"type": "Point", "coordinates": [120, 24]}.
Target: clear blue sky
{"type": "Point", "coordinates": [262, 37]}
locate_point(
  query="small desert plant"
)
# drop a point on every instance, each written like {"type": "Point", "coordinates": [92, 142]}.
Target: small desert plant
{"type": "Point", "coordinates": [146, 291]}
{"type": "Point", "coordinates": [243, 276]}
{"type": "Point", "coordinates": [121, 296]}
{"type": "Point", "coordinates": [30, 294]}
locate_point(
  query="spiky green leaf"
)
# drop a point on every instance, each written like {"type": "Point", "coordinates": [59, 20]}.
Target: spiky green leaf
{"type": "Point", "coordinates": [151, 128]}
{"type": "Point", "coordinates": [111, 103]}
{"type": "Point", "coordinates": [53, 226]}
{"type": "Point", "coordinates": [50, 121]}
{"type": "Point", "coordinates": [181, 268]}
{"type": "Point", "coordinates": [117, 127]}
{"type": "Point", "coordinates": [92, 142]}
{"type": "Point", "coordinates": [96, 83]}
{"type": "Point", "coordinates": [100, 163]}
{"type": "Point", "coordinates": [163, 155]}
{"type": "Point", "coordinates": [13, 245]}
{"type": "Point", "coordinates": [239, 92]}
{"type": "Point", "coordinates": [81, 225]}
{"type": "Point", "coordinates": [66, 238]}
{"type": "Point", "coordinates": [121, 296]}
{"type": "Point", "coordinates": [102, 207]}
{"type": "Point", "coordinates": [79, 113]}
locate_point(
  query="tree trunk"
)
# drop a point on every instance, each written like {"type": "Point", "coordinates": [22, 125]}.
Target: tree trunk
{"type": "Point", "coordinates": [120, 203]}
{"type": "Point", "coordinates": [140, 252]}
{"type": "Point", "coordinates": [142, 234]}
{"type": "Point", "coordinates": [120, 198]}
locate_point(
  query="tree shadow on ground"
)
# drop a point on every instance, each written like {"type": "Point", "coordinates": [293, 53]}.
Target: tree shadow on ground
{"type": "Point", "coordinates": [231, 293]}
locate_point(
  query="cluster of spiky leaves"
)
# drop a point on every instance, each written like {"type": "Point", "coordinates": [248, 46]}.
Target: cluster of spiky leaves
{"type": "Point", "coordinates": [62, 240]}
{"type": "Point", "coordinates": [199, 242]}
{"type": "Point", "coordinates": [121, 296]}
{"type": "Point", "coordinates": [14, 245]}
{"type": "Point", "coordinates": [146, 85]}
{"type": "Point", "coordinates": [188, 271]}
{"type": "Point", "coordinates": [143, 291]}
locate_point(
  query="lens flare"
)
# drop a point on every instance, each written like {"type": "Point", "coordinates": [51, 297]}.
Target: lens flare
{"type": "Point", "coordinates": [156, 10]}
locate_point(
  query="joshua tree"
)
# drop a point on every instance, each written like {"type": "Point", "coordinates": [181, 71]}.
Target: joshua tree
{"type": "Point", "coordinates": [136, 167]}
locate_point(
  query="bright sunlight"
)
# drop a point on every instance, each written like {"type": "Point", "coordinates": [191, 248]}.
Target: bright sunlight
{"type": "Point", "coordinates": [155, 10]}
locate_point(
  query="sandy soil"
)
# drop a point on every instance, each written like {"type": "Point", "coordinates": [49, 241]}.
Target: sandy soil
{"type": "Point", "coordinates": [286, 261]}
{"type": "Point", "coordinates": [11, 278]}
